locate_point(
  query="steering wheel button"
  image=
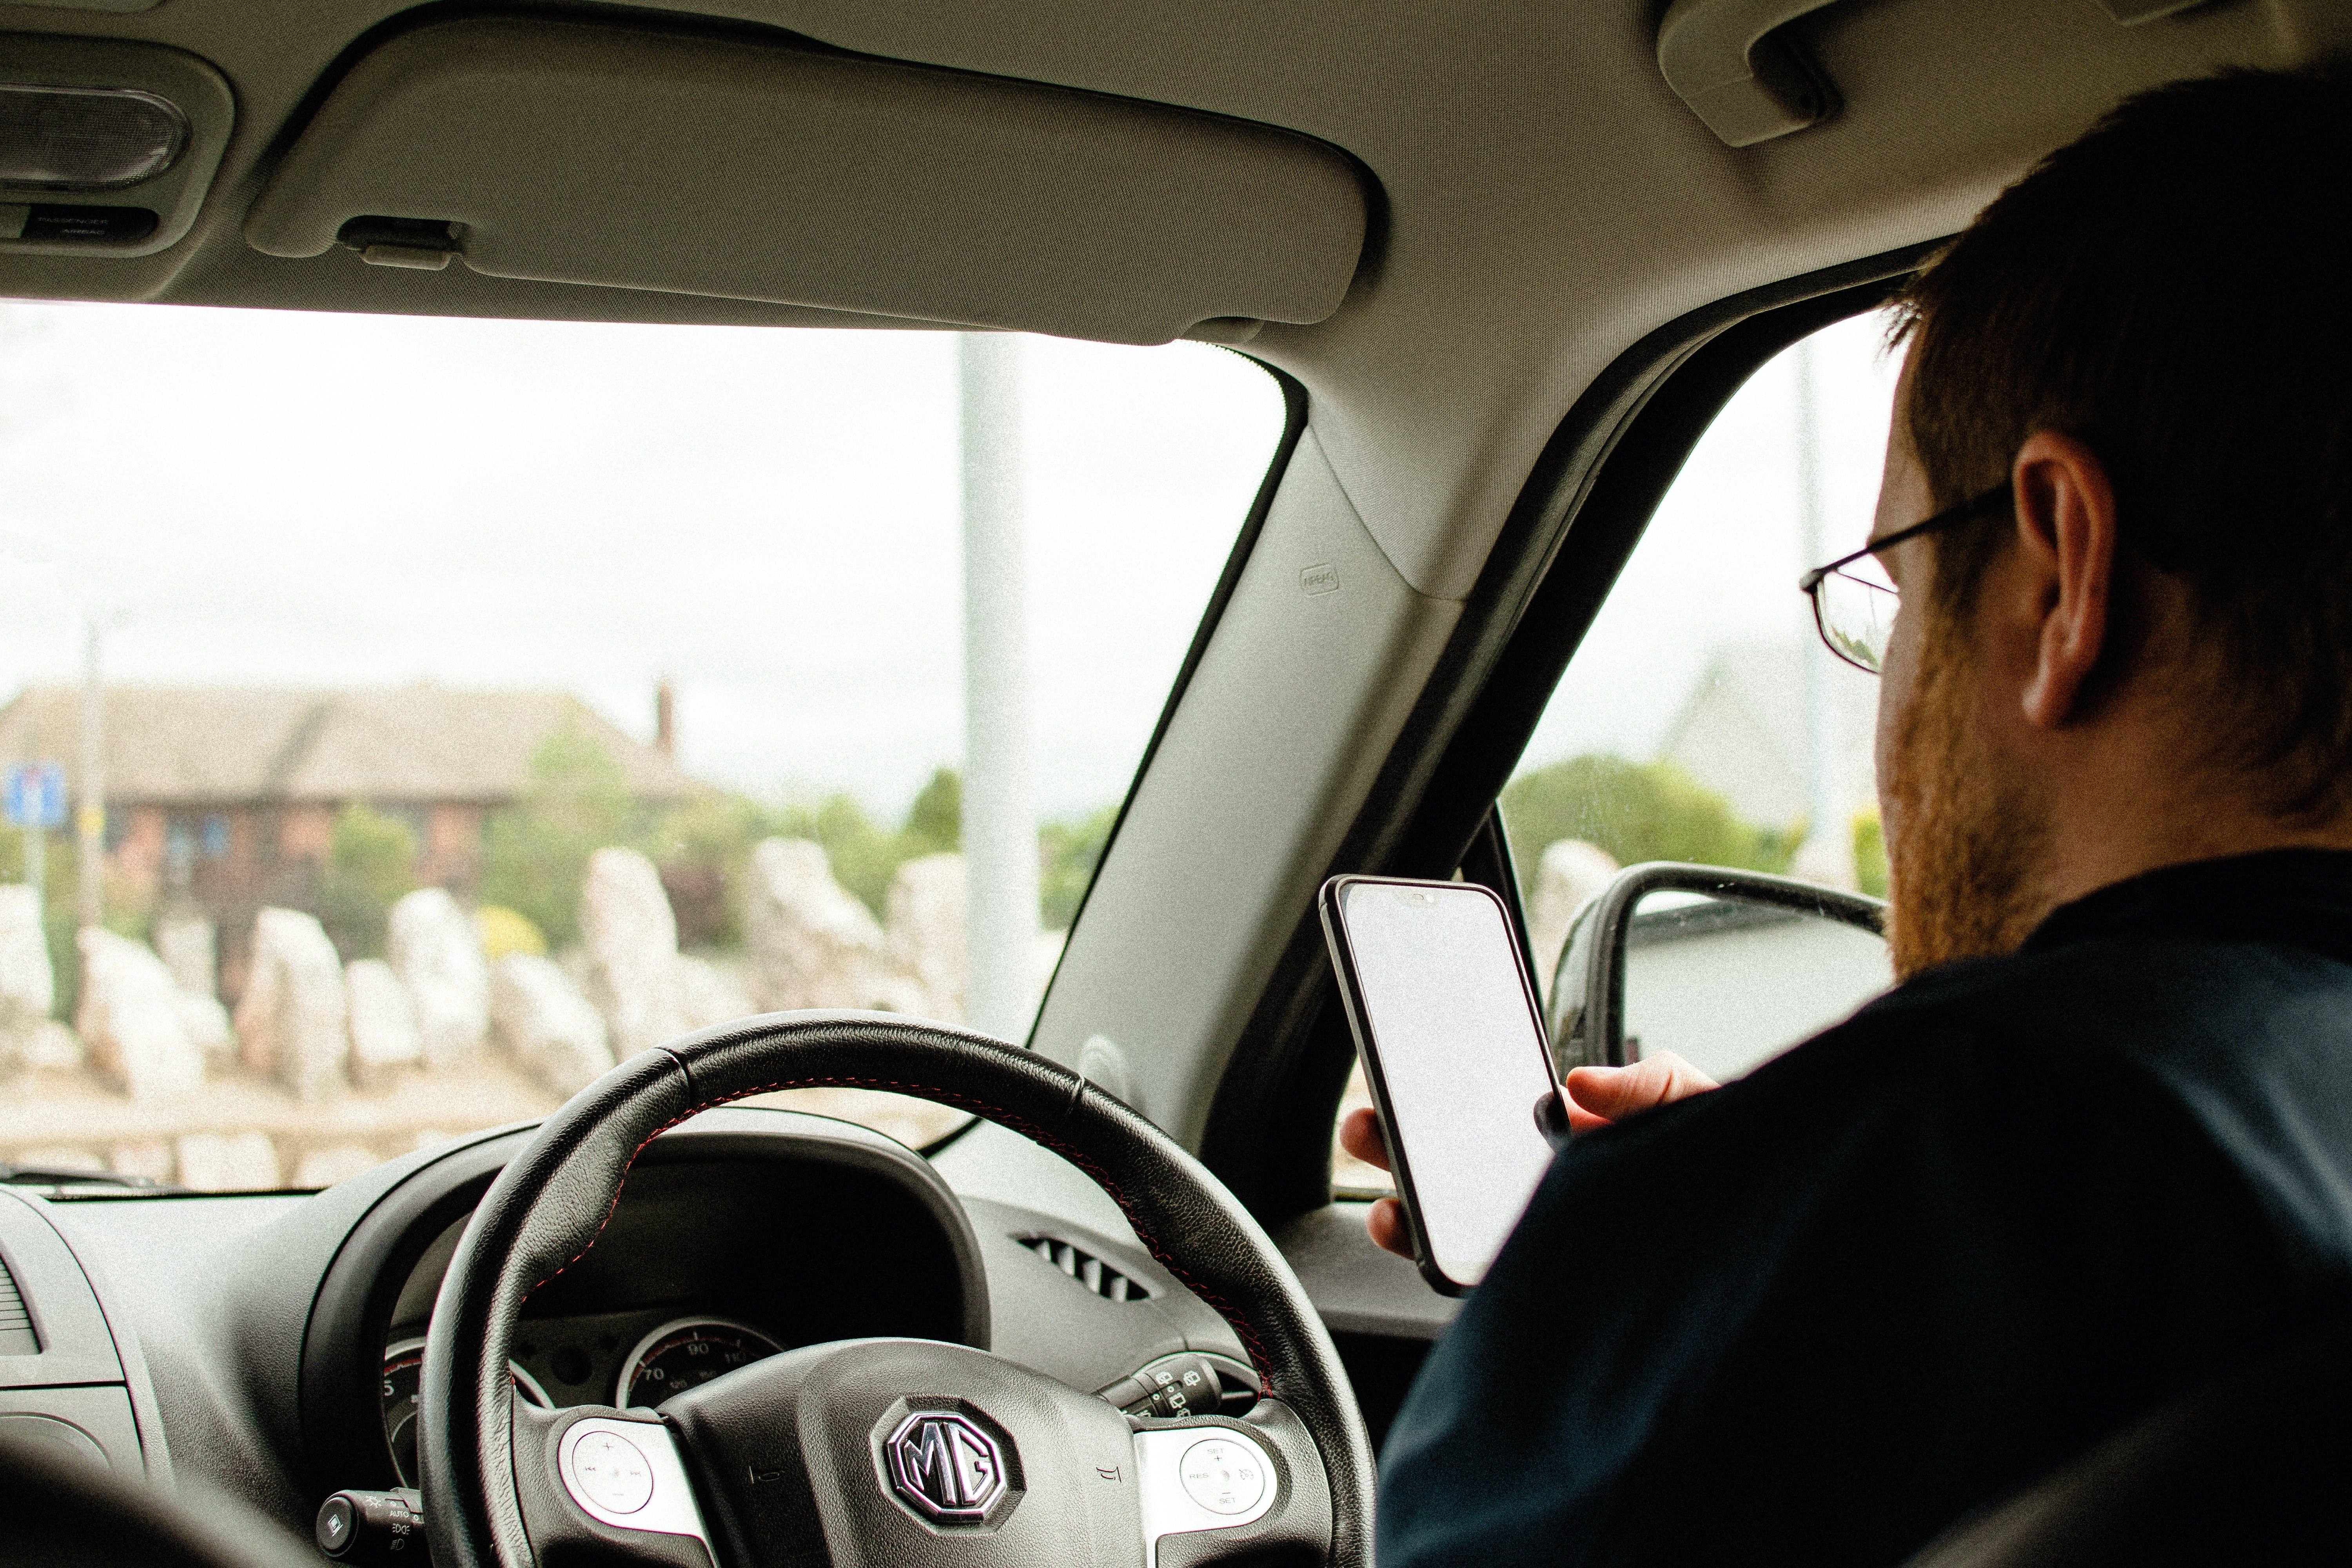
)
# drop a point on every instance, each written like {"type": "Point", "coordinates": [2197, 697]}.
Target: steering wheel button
{"type": "Point", "coordinates": [1224, 1475]}
{"type": "Point", "coordinates": [610, 1471]}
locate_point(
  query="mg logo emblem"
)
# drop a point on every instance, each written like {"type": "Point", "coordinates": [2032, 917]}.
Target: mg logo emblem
{"type": "Point", "coordinates": [946, 1466]}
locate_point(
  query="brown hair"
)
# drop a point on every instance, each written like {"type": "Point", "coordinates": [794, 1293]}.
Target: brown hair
{"type": "Point", "coordinates": [2174, 291]}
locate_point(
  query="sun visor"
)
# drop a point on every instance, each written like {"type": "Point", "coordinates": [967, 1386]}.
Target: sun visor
{"type": "Point", "coordinates": [631, 157]}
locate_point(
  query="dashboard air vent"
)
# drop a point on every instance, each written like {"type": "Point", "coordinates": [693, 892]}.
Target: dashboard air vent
{"type": "Point", "coordinates": [16, 1336]}
{"type": "Point", "coordinates": [1085, 1268]}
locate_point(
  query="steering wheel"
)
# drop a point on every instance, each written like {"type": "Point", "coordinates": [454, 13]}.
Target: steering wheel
{"type": "Point", "coordinates": [880, 1451]}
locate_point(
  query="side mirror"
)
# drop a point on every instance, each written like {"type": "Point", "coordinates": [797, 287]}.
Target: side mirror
{"type": "Point", "coordinates": [1722, 967]}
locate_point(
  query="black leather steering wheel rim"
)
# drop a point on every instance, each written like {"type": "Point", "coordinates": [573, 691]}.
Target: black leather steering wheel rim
{"type": "Point", "coordinates": [552, 1201]}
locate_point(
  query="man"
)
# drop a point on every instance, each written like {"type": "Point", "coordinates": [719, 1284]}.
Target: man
{"type": "Point", "coordinates": [2097, 1145]}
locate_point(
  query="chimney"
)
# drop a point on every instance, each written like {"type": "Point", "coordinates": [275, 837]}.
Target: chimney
{"type": "Point", "coordinates": [665, 718]}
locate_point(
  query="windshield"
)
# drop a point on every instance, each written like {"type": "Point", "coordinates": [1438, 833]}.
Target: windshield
{"type": "Point", "coordinates": [413, 717]}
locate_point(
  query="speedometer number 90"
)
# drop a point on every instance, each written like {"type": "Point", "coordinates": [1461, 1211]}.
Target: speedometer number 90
{"type": "Point", "coordinates": [686, 1353]}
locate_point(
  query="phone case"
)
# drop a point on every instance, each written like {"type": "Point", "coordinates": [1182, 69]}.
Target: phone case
{"type": "Point", "coordinates": [1343, 961]}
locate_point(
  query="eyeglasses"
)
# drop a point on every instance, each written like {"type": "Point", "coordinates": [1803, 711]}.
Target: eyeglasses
{"type": "Point", "coordinates": [1855, 615]}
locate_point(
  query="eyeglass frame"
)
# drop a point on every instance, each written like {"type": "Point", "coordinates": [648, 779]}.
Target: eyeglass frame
{"type": "Point", "coordinates": [1810, 584]}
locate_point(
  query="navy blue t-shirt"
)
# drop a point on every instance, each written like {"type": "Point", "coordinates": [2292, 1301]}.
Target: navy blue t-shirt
{"type": "Point", "coordinates": [1818, 1315]}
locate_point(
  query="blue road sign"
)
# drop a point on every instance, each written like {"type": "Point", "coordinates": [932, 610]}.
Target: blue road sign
{"type": "Point", "coordinates": [36, 794]}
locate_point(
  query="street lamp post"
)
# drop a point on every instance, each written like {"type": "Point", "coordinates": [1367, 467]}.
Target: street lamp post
{"type": "Point", "coordinates": [1000, 813]}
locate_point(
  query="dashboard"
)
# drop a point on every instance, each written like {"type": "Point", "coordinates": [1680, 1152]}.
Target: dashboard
{"type": "Point", "coordinates": [270, 1345]}
{"type": "Point", "coordinates": [744, 1233]}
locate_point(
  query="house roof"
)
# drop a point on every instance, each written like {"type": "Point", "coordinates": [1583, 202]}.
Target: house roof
{"type": "Point", "coordinates": [227, 745]}
{"type": "Point", "coordinates": [1743, 733]}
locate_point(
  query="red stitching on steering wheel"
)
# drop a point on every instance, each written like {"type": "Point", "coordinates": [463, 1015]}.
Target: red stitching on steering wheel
{"type": "Point", "coordinates": [1027, 1129]}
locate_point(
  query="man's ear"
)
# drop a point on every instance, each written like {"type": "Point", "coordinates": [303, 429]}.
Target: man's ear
{"type": "Point", "coordinates": [2066, 538]}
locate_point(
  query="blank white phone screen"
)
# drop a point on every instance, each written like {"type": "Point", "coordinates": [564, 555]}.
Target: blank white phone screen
{"type": "Point", "coordinates": [1462, 1057]}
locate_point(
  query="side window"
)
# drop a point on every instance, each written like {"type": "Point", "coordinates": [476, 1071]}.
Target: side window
{"type": "Point", "coordinates": [1702, 720]}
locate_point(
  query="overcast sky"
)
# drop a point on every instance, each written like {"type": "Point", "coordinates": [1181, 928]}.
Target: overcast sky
{"type": "Point", "coordinates": [769, 517]}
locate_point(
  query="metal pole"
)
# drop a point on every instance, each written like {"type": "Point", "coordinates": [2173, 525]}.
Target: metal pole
{"type": "Point", "coordinates": [90, 820]}
{"type": "Point", "coordinates": [1827, 854]}
{"type": "Point", "coordinates": [1000, 813]}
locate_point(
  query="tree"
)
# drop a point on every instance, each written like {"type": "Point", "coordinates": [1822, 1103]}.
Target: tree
{"type": "Point", "coordinates": [865, 855]}
{"type": "Point", "coordinates": [535, 852]}
{"type": "Point", "coordinates": [1869, 852]}
{"type": "Point", "coordinates": [371, 862]}
{"type": "Point", "coordinates": [1067, 853]}
{"type": "Point", "coordinates": [1635, 811]}
{"type": "Point", "coordinates": [935, 822]}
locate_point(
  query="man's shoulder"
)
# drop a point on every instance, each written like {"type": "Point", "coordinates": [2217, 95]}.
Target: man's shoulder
{"type": "Point", "coordinates": [1988, 1077]}
{"type": "Point", "coordinates": [2175, 1009]}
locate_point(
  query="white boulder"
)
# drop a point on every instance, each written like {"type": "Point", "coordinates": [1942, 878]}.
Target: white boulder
{"type": "Point", "coordinates": [187, 945]}
{"type": "Point", "coordinates": [631, 941]}
{"type": "Point", "coordinates": [28, 987]}
{"type": "Point", "coordinates": [207, 1023]}
{"type": "Point", "coordinates": [51, 1044]}
{"type": "Point", "coordinates": [229, 1163]}
{"type": "Point", "coordinates": [385, 1036]}
{"type": "Point", "coordinates": [925, 941]}
{"type": "Point", "coordinates": [709, 994]}
{"type": "Point", "coordinates": [131, 1018]}
{"type": "Point", "coordinates": [293, 1017]}
{"type": "Point", "coordinates": [335, 1162]}
{"type": "Point", "coordinates": [151, 1159]}
{"type": "Point", "coordinates": [541, 1016]}
{"type": "Point", "coordinates": [1570, 876]}
{"type": "Point", "coordinates": [436, 949]}
{"type": "Point", "coordinates": [811, 943]}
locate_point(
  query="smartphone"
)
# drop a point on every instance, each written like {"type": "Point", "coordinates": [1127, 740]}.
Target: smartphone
{"type": "Point", "coordinates": [1451, 1039]}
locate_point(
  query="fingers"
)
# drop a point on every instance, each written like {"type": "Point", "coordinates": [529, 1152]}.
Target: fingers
{"type": "Point", "coordinates": [1360, 1134]}
{"type": "Point", "coordinates": [1386, 1223]}
{"type": "Point", "coordinates": [1580, 1120]}
{"type": "Point", "coordinates": [1610, 1094]}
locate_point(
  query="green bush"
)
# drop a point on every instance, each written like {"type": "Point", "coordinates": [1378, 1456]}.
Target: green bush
{"type": "Point", "coordinates": [1869, 853]}
{"type": "Point", "coordinates": [935, 821]}
{"type": "Point", "coordinates": [866, 855]}
{"type": "Point", "coordinates": [371, 862]}
{"type": "Point", "coordinates": [535, 852]}
{"type": "Point", "coordinates": [1635, 810]}
{"type": "Point", "coordinates": [1067, 853]}
{"type": "Point", "coordinates": [702, 847]}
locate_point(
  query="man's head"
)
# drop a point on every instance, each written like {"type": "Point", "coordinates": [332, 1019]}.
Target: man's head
{"type": "Point", "coordinates": [2148, 656]}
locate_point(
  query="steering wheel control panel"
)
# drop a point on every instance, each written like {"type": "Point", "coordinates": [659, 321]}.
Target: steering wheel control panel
{"type": "Point", "coordinates": [1192, 1383]}
{"type": "Point", "coordinates": [627, 1474]}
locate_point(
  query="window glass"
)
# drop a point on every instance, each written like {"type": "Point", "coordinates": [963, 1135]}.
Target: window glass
{"type": "Point", "coordinates": [412, 716]}
{"type": "Point", "coordinates": [1703, 719]}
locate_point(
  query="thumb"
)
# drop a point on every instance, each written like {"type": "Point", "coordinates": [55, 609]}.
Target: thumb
{"type": "Point", "coordinates": [1615, 1093]}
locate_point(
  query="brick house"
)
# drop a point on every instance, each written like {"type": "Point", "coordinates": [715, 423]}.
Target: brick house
{"type": "Point", "coordinates": [225, 797]}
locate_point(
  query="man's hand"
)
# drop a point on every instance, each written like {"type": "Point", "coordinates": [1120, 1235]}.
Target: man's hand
{"type": "Point", "coordinates": [1592, 1097]}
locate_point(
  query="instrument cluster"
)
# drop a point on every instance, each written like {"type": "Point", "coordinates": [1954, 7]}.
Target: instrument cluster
{"type": "Point", "coordinates": [633, 1360]}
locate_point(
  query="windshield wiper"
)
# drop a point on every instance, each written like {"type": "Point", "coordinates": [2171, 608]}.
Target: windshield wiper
{"type": "Point", "coordinates": [57, 1179]}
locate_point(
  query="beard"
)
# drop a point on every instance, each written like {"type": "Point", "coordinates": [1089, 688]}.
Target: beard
{"type": "Point", "coordinates": [1963, 843]}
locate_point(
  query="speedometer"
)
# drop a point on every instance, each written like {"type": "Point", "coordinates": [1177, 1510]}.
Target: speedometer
{"type": "Point", "coordinates": [686, 1353]}
{"type": "Point", "coordinates": [403, 1361]}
